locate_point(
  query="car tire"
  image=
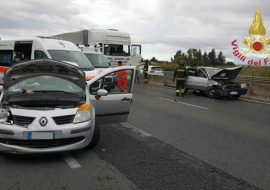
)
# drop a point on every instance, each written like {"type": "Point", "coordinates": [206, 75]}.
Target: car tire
{"type": "Point", "coordinates": [211, 92]}
{"type": "Point", "coordinates": [95, 138]}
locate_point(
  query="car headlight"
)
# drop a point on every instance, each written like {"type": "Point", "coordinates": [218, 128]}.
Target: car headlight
{"type": "Point", "coordinates": [83, 114]}
{"type": "Point", "coordinates": [5, 117]}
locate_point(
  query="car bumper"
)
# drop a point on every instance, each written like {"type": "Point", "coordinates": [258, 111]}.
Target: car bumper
{"type": "Point", "coordinates": [230, 92]}
{"type": "Point", "coordinates": [14, 139]}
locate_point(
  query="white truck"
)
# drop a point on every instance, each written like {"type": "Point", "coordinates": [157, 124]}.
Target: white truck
{"type": "Point", "coordinates": [44, 48]}
{"type": "Point", "coordinates": [115, 45]}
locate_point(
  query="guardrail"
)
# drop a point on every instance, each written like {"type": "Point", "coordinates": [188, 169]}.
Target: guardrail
{"type": "Point", "coordinates": [168, 74]}
{"type": "Point", "coordinates": [253, 78]}
{"type": "Point", "coordinates": [258, 87]}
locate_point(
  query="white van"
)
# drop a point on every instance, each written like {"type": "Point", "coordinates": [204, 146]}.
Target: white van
{"type": "Point", "coordinates": [44, 48]}
{"type": "Point", "coordinates": [96, 57]}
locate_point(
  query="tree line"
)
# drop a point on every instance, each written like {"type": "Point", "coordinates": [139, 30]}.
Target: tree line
{"type": "Point", "coordinates": [195, 57]}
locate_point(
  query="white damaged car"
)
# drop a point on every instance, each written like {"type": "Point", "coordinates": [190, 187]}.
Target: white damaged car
{"type": "Point", "coordinates": [47, 106]}
{"type": "Point", "coordinates": [216, 82]}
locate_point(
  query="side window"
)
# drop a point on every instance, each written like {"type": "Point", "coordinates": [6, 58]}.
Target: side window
{"type": "Point", "coordinates": [6, 57]}
{"type": "Point", "coordinates": [115, 83]}
{"type": "Point", "coordinates": [38, 54]}
{"type": "Point", "coordinates": [200, 73]}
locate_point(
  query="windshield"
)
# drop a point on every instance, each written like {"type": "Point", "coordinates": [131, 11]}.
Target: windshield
{"type": "Point", "coordinates": [98, 60]}
{"type": "Point", "coordinates": [213, 71]}
{"type": "Point", "coordinates": [117, 49]}
{"type": "Point", "coordinates": [72, 56]}
{"type": "Point", "coordinates": [156, 69]}
{"type": "Point", "coordinates": [44, 83]}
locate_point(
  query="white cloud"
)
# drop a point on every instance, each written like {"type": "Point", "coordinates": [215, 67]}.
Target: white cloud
{"type": "Point", "coordinates": [163, 27]}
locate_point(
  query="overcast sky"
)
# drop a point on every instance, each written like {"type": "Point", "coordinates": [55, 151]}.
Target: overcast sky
{"type": "Point", "coordinates": [161, 26]}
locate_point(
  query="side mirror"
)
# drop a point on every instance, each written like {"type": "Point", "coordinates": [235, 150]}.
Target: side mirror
{"type": "Point", "coordinates": [102, 92]}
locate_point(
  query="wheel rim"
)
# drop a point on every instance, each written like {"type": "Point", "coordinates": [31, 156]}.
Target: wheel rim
{"type": "Point", "coordinates": [211, 92]}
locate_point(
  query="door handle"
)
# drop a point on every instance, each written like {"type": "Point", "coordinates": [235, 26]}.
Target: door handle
{"type": "Point", "coordinates": [125, 99]}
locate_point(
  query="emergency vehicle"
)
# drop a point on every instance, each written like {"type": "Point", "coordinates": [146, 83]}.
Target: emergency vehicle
{"type": "Point", "coordinates": [44, 48]}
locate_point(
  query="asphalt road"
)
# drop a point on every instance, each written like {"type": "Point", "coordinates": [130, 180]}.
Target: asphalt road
{"type": "Point", "coordinates": [232, 135]}
{"type": "Point", "coordinates": [190, 143]}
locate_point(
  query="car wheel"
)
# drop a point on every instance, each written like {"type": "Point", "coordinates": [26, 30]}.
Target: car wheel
{"type": "Point", "coordinates": [95, 138]}
{"type": "Point", "coordinates": [211, 92]}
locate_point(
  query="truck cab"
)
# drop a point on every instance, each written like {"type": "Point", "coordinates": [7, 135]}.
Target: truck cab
{"type": "Point", "coordinates": [115, 45]}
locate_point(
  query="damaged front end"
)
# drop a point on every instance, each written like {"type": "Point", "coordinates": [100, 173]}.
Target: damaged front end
{"type": "Point", "coordinates": [225, 85]}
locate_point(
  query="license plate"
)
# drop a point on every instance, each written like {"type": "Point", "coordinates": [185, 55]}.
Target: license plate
{"type": "Point", "coordinates": [40, 135]}
{"type": "Point", "coordinates": [233, 93]}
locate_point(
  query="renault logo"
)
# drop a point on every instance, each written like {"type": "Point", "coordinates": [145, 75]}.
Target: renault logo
{"type": "Point", "coordinates": [43, 121]}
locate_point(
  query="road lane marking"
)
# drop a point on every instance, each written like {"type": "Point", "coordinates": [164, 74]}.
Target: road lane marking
{"type": "Point", "coordinates": [135, 129]}
{"type": "Point", "coordinates": [71, 162]}
{"type": "Point", "coordinates": [184, 103]}
{"type": "Point", "coordinates": [256, 101]}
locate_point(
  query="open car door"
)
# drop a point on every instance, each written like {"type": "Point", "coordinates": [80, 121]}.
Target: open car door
{"type": "Point", "coordinates": [111, 94]}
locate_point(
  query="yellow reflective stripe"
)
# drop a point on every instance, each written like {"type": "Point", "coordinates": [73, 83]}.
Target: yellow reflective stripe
{"type": "Point", "coordinates": [177, 90]}
{"type": "Point", "coordinates": [180, 70]}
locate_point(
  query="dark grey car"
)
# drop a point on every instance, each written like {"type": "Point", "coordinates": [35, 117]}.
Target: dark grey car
{"type": "Point", "coordinates": [216, 82]}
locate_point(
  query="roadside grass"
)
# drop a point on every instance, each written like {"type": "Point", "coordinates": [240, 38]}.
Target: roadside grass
{"type": "Point", "coordinates": [257, 71]}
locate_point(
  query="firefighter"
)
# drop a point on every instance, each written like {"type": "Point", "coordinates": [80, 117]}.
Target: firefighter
{"type": "Point", "coordinates": [180, 74]}
{"type": "Point", "coordinates": [137, 74]}
{"type": "Point", "coordinates": [145, 71]}
{"type": "Point", "coordinates": [122, 79]}
{"type": "Point", "coordinates": [192, 70]}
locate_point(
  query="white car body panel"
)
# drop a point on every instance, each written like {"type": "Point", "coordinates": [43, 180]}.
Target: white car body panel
{"type": "Point", "coordinates": [107, 106]}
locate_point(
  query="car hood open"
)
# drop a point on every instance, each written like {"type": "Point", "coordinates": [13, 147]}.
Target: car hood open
{"type": "Point", "coordinates": [22, 71]}
{"type": "Point", "coordinates": [227, 74]}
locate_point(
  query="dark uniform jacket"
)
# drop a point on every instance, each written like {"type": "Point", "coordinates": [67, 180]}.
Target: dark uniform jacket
{"type": "Point", "coordinates": [191, 71]}
{"type": "Point", "coordinates": [145, 68]}
{"type": "Point", "coordinates": [180, 73]}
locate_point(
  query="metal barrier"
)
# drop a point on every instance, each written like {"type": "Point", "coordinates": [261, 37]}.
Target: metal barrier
{"type": "Point", "coordinates": [251, 79]}
{"type": "Point", "coordinates": [258, 87]}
